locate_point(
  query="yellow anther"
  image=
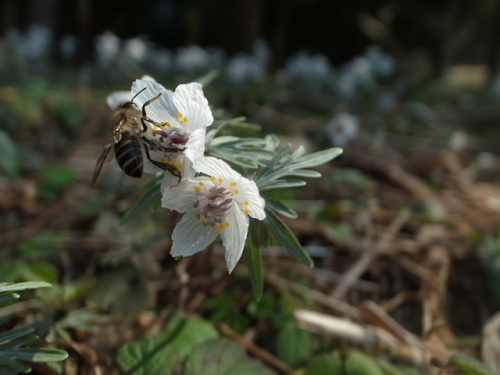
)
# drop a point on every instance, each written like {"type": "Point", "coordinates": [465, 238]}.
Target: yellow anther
{"type": "Point", "coordinates": [155, 127]}
{"type": "Point", "coordinates": [155, 150]}
{"type": "Point", "coordinates": [196, 189]}
{"type": "Point", "coordinates": [221, 180]}
{"type": "Point", "coordinates": [221, 227]}
{"type": "Point", "coordinates": [201, 183]}
{"type": "Point", "coordinates": [203, 221]}
{"type": "Point", "coordinates": [236, 191]}
{"type": "Point", "coordinates": [163, 160]}
{"type": "Point", "coordinates": [232, 184]}
{"type": "Point", "coordinates": [246, 212]}
{"type": "Point", "coordinates": [212, 178]}
{"type": "Point", "coordinates": [226, 224]}
{"type": "Point", "coordinates": [180, 165]}
{"type": "Point", "coordinates": [246, 203]}
{"type": "Point", "coordinates": [179, 115]}
{"type": "Point", "coordinates": [152, 133]}
{"type": "Point", "coordinates": [185, 119]}
{"type": "Point", "coordinates": [212, 226]}
{"type": "Point", "coordinates": [168, 124]}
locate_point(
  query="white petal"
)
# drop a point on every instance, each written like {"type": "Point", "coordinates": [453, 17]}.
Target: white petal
{"type": "Point", "coordinates": [196, 144]}
{"type": "Point", "coordinates": [190, 236]}
{"type": "Point", "coordinates": [193, 105]}
{"type": "Point", "coordinates": [180, 197]}
{"type": "Point", "coordinates": [162, 109]}
{"type": "Point", "coordinates": [187, 171]}
{"type": "Point", "coordinates": [146, 77]}
{"type": "Point", "coordinates": [234, 236]}
{"type": "Point", "coordinates": [248, 191]}
{"type": "Point", "coordinates": [216, 167]}
{"type": "Point", "coordinates": [118, 97]}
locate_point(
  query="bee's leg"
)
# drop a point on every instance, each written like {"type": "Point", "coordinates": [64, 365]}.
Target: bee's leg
{"type": "Point", "coordinates": [160, 147]}
{"type": "Point", "coordinates": [144, 127]}
{"type": "Point", "coordinates": [165, 166]}
{"type": "Point", "coordinates": [144, 115]}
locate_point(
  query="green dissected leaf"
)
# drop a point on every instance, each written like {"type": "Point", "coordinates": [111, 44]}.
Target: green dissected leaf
{"type": "Point", "coordinates": [159, 355]}
{"type": "Point", "coordinates": [471, 365]}
{"type": "Point", "coordinates": [9, 297]}
{"type": "Point", "coordinates": [325, 364]}
{"type": "Point", "coordinates": [14, 334]}
{"type": "Point", "coordinates": [318, 158]}
{"type": "Point", "coordinates": [358, 363]}
{"type": "Point", "coordinates": [14, 287]}
{"type": "Point", "coordinates": [285, 236]}
{"type": "Point", "coordinates": [282, 184]}
{"type": "Point", "coordinates": [147, 199]}
{"type": "Point", "coordinates": [246, 152]}
{"type": "Point", "coordinates": [217, 357]}
{"type": "Point", "coordinates": [272, 142]}
{"type": "Point", "coordinates": [280, 207]}
{"type": "Point", "coordinates": [8, 154]}
{"type": "Point", "coordinates": [254, 262]}
{"type": "Point", "coordinates": [11, 352]}
{"type": "Point", "coordinates": [265, 239]}
{"type": "Point", "coordinates": [294, 345]}
{"type": "Point", "coordinates": [283, 165]}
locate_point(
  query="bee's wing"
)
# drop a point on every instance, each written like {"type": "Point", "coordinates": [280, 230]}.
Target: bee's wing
{"type": "Point", "coordinates": [98, 165]}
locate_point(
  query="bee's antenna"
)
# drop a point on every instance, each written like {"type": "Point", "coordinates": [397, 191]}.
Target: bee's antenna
{"type": "Point", "coordinates": [138, 93]}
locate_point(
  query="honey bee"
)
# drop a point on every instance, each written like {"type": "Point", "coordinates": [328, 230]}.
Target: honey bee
{"type": "Point", "coordinates": [129, 144]}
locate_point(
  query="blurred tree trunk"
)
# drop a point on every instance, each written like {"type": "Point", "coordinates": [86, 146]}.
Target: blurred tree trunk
{"type": "Point", "coordinates": [8, 11]}
{"type": "Point", "coordinates": [238, 24]}
{"type": "Point", "coordinates": [43, 12]}
{"type": "Point", "coordinates": [494, 48]}
{"type": "Point", "coordinates": [85, 30]}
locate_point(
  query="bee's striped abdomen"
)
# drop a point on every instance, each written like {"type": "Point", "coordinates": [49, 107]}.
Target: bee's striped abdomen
{"type": "Point", "coordinates": [128, 153]}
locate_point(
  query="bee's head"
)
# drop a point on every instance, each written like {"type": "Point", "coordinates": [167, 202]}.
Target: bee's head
{"type": "Point", "coordinates": [128, 105]}
{"type": "Point", "coordinates": [131, 103]}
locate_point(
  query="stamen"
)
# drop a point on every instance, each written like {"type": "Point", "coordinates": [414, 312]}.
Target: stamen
{"type": "Point", "coordinates": [246, 203]}
{"type": "Point", "coordinates": [236, 191]}
{"type": "Point", "coordinates": [196, 189]}
{"type": "Point", "coordinates": [201, 183]}
{"type": "Point", "coordinates": [246, 212]}
{"type": "Point", "coordinates": [232, 184]}
{"type": "Point", "coordinates": [163, 160]}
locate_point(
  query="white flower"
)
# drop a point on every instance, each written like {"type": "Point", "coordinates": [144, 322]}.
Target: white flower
{"type": "Point", "coordinates": [180, 120]}
{"type": "Point", "coordinates": [342, 128]}
{"type": "Point", "coordinates": [136, 49]}
{"type": "Point", "coordinates": [218, 204]}
{"type": "Point", "coordinates": [107, 46]}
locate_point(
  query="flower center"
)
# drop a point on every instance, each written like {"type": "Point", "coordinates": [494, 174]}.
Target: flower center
{"type": "Point", "coordinates": [213, 202]}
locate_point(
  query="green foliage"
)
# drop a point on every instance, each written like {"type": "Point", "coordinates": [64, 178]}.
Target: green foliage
{"type": "Point", "coordinates": [254, 262]}
{"type": "Point", "coordinates": [286, 237]}
{"type": "Point", "coordinates": [152, 194]}
{"type": "Point", "coordinates": [490, 254]}
{"type": "Point", "coordinates": [222, 356]}
{"type": "Point", "coordinates": [358, 363]}
{"type": "Point", "coordinates": [42, 244]}
{"type": "Point", "coordinates": [8, 155]}
{"type": "Point", "coordinates": [12, 342]}
{"type": "Point", "coordinates": [470, 366]}
{"type": "Point", "coordinates": [55, 180]}
{"type": "Point", "coordinates": [324, 364]}
{"type": "Point", "coordinates": [162, 354]}
{"type": "Point", "coordinates": [294, 345]}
